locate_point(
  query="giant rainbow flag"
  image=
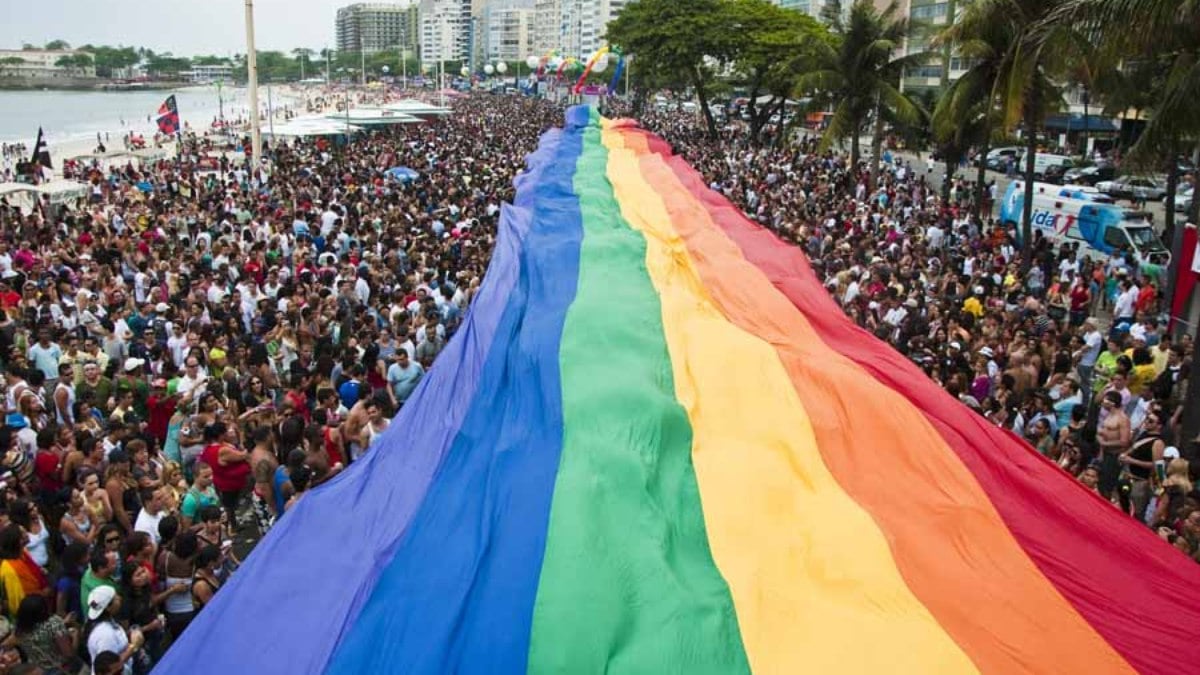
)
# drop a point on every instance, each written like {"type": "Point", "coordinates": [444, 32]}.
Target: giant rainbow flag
{"type": "Point", "coordinates": [657, 446]}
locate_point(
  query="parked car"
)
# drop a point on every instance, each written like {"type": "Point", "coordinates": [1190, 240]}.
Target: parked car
{"type": "Point", "coordinates": [1056, 174]}
{"type": "Point", "coordinates": [997, 158]}
{"type": "Point", "coordinates": [1090, 175]}
{"type": "Point", "coordinates": [1183, 198]}
{"type": "Point", "coordinates": [1134, 188]}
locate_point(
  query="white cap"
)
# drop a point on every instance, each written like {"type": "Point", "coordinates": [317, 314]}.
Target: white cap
{"type": "Point", "coordinates": [1138, 332]}
{"type": "Point", "coordinates": [99, 600]}
{"type": "Point", "coordinates": [133, 364]}
{"type": "Point", "coordinates": [1171, 452]}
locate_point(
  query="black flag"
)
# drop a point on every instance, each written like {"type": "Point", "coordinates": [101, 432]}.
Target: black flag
{"type": "Point", "coordinates": [41, 151]}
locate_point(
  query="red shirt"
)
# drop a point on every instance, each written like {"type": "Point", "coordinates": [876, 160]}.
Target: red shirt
{"type": "Point", "coordinates": [46, 467]}
{"type": "Point", "coordinates": [331, 448]}
{"type": "Point", "coordinates": [1079, 298]}
{"type": "Point", "coordinates": [228, 478]}
{"type": "Point", "coordinates": [1146, 298]}
{"type": "Point", "coordinates": [9, 299]}
{"type": "Point", "coordinates": [299, 401]}
{"type": "Point", "coordinates": [159, 417]}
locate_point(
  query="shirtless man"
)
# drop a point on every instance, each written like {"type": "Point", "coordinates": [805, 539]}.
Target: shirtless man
{"type": "Point", "coordinates": [363, 426]}
{"type": "Point", "coordinates": [263, 465]}
{"type": "Point", "coordinates": [1113, 436]}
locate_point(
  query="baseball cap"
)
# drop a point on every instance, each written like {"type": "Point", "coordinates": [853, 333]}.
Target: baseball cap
{"type": "Point", "coordinates": [99, 600]}
{"type": "Point", "coordinates": [16, 420]}
{"type": "Point", "coordinates": [161, 307]}
{"type": "Point", "coordinates": [1171, 452]}
{"type": "Point", "coordinates": [133, 364]}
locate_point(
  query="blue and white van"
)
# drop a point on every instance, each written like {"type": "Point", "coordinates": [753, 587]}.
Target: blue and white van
{"type": "Point", "coordinates": [1082, 215]}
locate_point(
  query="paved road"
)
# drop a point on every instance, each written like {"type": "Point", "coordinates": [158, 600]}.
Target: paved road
{"type": "Point", "coordinates": [936, 172]}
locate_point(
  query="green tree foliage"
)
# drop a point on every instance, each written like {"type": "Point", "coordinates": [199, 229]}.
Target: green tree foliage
{"type": "Point", "coordinates": [75, 63]}
{"type": "Point", "coordinates": [166, 65]}
{"type": "Point", "coordinates": [677, 44]}
{"type": "Point", "coordinates": [1160, 44]}
{"type": "Point", "coordinates": [775, 46]}
{"type": "Point", "coordinates": [57, 45]}
{"type": "Point", "coordinates": [111, 59]}
{"type": "Point", "coordinates": [1032, 62]}
{"type": "Point", "coordinates": [9, 64]}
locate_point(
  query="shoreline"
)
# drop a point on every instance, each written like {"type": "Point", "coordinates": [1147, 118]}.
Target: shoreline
{"type": "Point", "coordinates": [88, 84]}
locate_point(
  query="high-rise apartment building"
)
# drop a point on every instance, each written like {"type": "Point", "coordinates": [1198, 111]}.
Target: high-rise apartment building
{"type": "Point", "coordinates": [574, 27]}
{"type": "Point", "coordinates": [547, 18]}
{"type": "Point", "coordinates": [506, 28]}
{"type": "Point", "coordinates": [447, 30]}
{"type": "Point", "coordinates": [929, 17]}
{"type": "Point", "coordinates": [375, 27]}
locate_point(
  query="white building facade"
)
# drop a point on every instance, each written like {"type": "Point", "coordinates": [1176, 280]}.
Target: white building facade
{"type": "Point", "coordinates": [374, 27]}
{"type": "Point", "coordinates": [506, 29]}
{"type": "Point", "coordinates": [447, 30]}
{"type": "Point", "coordinates": [42, 63]}
{"type": "Point", "coordinates": [573, 27]}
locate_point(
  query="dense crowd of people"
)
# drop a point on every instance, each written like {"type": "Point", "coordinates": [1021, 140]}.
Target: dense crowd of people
{"type": "Point", "coordinates": [1071, 355]}
{"type": "Point", "coordinates": [182, 363]}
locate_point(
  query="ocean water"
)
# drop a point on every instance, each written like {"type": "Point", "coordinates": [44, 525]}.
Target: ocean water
{"type": "Point", "coordinates": [68, 116]}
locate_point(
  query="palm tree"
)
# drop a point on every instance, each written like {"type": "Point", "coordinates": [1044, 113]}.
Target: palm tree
{"type": "Point", "coordinates": [302, 54]}
{"type": "Point", "coordinates": [1162, 36]}
{"type": "Point", "coordinates": [1158, 33]}
{"type": "Point", "coordinates": [859, 76]}
{"type": "Point", "coordinates": [1024, 87]}
{"type": "Point", "coordinates": [966, 110]}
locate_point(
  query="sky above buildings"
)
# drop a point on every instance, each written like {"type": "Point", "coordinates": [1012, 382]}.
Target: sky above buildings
{"type": "Point", "coordinates": [183, 27]}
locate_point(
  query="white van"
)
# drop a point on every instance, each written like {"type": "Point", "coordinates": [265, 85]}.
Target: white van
{"type": "Point", "coordinates": [1087, 218]}
{"type": "Point", "coordinates": [1043, 161]}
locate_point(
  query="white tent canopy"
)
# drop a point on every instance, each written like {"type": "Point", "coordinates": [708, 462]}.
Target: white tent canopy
{"type": "Point", "coordinates": [373, 117]}
{"type": "Point", "coordinates": [418, 108]}
{"type": "Point", "coordinates": [21, 195]}
{"type": "Point", "coordinates": [314, 126]}
{"type": "Point", "coordinates": [62, 191]}
{"type": "Point", "coordinates": [7, 189]}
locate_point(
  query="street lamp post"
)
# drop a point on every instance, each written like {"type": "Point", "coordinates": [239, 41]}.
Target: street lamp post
{"type": "Point", "coordinates": [252, 76]}
{"type": "Point", "coordinates": [270, 112]}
